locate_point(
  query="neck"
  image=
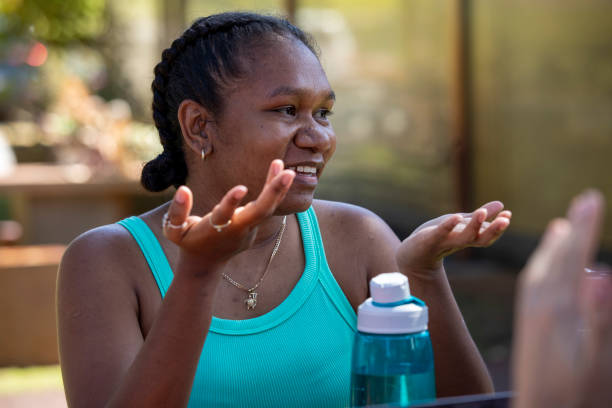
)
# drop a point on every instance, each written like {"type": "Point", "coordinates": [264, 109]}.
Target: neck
{"type": "Point", "coordinates": [268, 233]}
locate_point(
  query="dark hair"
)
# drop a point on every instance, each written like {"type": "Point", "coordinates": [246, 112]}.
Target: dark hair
{"type": "Point", "coordinates": [197, 66]}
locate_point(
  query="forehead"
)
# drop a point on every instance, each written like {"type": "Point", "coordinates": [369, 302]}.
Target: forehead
{"type": "Point", "coordinates": [283, 63]}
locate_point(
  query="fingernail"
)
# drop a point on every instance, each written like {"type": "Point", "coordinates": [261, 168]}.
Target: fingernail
{"type": "Point", "coordinates": [584, 205]}
{"type": "Point", "coordinates": [483, 215]}
{"type": "Point", "coordinates": [504, 224]}
{"type": "Point", "coordinates": [587, 203]}
{"type": "Point", "coordinates": [559, 226]}
{"type": "Point", "coordinates": [287, 178]}
{"type": "Point", "coordinates": [598, 270]}
{"type": "Point", "coordinates": [180, 196]}
{"type": "Point", "coordinates": [239, 194]}
{"type": "Point", "coordinates": [276, 169]}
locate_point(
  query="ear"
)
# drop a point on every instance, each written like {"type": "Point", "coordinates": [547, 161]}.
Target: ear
{"type": "Point", "coordinates": [193, 119]}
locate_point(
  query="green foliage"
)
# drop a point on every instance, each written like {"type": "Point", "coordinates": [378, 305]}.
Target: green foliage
{"type": "Point", "coordinates": [54, 21]}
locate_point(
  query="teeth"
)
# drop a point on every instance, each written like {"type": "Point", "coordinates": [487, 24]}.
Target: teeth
{"type": "Point", "coordinates": [306, 169]}
{"type": "Point", "coordinates": [303, 169]}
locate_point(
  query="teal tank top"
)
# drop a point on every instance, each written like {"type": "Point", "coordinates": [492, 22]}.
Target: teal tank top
{"type": "Point", "coordinates": [296, 355]}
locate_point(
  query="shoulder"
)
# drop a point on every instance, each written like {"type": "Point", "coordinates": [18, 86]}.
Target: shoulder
{"type": "Point", "coordinates": [98, 244]}
{"type": "Point", "coordinates": [104, 256]}
{"type": "Point", "coordinates": [357, 232]}
{"type": "Point", "coordinates": [336, 211]}
{"type": "Point", "coordinates": [341, 218]}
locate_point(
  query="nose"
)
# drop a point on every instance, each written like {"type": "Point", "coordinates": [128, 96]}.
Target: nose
{"type": "Point", "coordinates": [319, 139]}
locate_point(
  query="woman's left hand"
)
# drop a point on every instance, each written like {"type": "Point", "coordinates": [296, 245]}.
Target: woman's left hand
{"type": "Point", "coordinates": [422, 252]}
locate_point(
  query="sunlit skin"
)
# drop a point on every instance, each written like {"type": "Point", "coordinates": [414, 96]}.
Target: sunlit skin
{"type": "Point", "coordinates": [280, 110]}
{"type": "Point", "coordinates": [275, 116]}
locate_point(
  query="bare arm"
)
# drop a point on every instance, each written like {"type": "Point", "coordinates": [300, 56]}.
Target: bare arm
{"type": "Point", "coordinates": [459, 367]}
{"type": "Point", "coordinates": [106, 361]}
{"type": "Point", "coordinates": [458, 363]}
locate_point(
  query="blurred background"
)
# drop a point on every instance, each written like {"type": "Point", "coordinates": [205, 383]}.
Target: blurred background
{"type": "Point", "coordinates": [442, 105]}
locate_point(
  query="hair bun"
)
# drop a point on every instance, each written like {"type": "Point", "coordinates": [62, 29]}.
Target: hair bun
{"type": "Point", "coordinates": [161, 173]}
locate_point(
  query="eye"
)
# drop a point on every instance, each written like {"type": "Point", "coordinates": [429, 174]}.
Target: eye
{"type": "Point", "coordinates": [287, 110]}
{"type": "Point", "coordinates": [323, 114]}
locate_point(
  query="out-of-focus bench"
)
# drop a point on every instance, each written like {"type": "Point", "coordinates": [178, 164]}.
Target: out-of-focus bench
{"type": "Point", "coordinates": [54, 203]}
{"type": "Point", "coordinates": [27, 304]}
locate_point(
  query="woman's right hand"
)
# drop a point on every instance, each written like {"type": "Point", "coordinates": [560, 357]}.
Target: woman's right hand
{"type": "Point", "coordinates": [201, 243]}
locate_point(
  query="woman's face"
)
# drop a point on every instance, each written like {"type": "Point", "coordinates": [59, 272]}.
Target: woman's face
{"type": "Point", "coordinates": [279, 110]}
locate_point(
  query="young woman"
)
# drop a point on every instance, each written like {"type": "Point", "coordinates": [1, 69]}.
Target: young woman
{"type": "Point", "coordinates": [242, 290]}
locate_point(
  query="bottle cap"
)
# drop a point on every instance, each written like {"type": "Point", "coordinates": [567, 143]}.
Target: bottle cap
{"type": "Point", "coordinates": [391, 309]}
{"type": "Point", "coordinates": [389, 288]}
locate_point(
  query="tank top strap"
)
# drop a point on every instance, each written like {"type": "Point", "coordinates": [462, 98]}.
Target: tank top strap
{"type": "Point", "coordinates": [329, 283]}
{"type": "Point", "coordinates": [152, 250]}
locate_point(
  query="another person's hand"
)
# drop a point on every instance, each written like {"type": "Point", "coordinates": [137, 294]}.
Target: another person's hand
{"type": "Point", "coordinates": [563, 331]}
{"type": "Point", "coordinates": [422, 252]}
{"type": "Point", "coordinates": [197, 236]}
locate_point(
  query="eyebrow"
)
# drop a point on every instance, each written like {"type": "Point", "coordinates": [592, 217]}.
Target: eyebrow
{"type": "Point", "coordinates": [288, 90]}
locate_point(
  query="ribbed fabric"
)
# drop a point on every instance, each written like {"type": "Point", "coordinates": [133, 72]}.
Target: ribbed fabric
{"type": "Point", "coordinates": [296, 355]}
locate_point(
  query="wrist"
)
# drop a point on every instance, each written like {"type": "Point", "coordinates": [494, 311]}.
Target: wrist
{"type": "Point", "coordinates": [198, 267]}
{"type": "Point", "coordinates": [197, 288]}
{"type": "Point", "coordinates": [424, 273]}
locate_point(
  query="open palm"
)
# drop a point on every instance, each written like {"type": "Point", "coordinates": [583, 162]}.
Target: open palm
{"type": "Point", "coordinates": [425, 248]}
{"type": "Point", "coordinates": [229, 228]}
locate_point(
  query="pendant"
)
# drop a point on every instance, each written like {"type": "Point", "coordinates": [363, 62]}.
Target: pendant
{"type": "Point", "coordinates": [251, 301]}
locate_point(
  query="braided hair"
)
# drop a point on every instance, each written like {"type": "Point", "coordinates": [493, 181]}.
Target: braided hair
{"type": "Point", "coordinates": [197, 66]}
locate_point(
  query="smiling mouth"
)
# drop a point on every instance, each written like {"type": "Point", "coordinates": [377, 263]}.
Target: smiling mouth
{"type": "Point", "coordinates": [304, 170]}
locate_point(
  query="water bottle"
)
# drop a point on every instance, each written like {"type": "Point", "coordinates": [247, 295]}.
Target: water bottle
{"type": "Point", "coordinates": [392, 355]}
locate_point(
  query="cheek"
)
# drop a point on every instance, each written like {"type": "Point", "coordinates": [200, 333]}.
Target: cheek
{"type": "Point", "coordinates": [274, 137]}
{"type": "Point", "coordinates": [332, 145]}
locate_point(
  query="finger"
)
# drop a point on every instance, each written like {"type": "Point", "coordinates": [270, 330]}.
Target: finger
{"type": "Point", "coordinates": [472, 229]}
{"type": "Point", "coordinates": [447, 225]}
{"type": "Point", "coordinates": [177, 214]}
{"type": "Point", "coordinates": [491, 233]}
{"type": "Point", "coordinates": [269, 198]}
{"type": "Point", "coordinates": [505, 214]}
{"type": "Point", "coordinates": [275, 167]}
{"type": "Point", "coordinates": [492, 208]}
{"type": "Point", "coordinates": [585, 214]}
{"type": "Point", "coordinates": [596, 296]}
{"type": "Point", "coordinates": [545, 258]}
{"type": "Point", "coordinates": [223, 212]}
{"type": "Point", "coordinates": [577, 250]}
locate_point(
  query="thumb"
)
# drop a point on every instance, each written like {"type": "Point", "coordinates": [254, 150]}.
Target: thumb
{"type": "Point", "coordinates": [174, 223]}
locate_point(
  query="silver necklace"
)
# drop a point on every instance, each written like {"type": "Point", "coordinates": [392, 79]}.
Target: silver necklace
{"type": "Point", "coordinates": [251, 300]}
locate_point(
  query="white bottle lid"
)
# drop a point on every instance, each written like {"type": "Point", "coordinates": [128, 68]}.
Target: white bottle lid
{"type": "Point", "coordinates": [386, 312]}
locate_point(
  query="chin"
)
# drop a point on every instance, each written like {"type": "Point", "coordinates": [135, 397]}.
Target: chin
{"type": "Point", "coordinates": [294, 203]}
